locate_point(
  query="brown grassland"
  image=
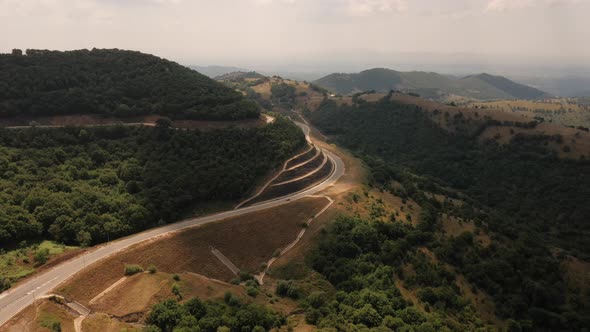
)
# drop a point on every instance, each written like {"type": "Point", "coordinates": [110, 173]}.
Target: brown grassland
{"type": "Point", "coordinates": [39, 317]}
{"type": "Point", "coordinates": [254, 238]}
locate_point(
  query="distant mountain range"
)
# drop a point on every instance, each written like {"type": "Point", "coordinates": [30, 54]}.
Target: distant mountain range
{"type": "Point", "coordinates": [214, 71]}
{"type": "Point", "coordinates": [238, 75]}
{"type": "Point", "coordinates": [430, 85]}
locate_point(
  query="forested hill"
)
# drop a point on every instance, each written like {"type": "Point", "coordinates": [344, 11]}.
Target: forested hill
{"type": "Point", "coordinates": [532, 203]}
{"type": "Point", "coordinates": [112, 82]}
{"type": "Point", "coordinates": [81, 185]}
{"type": "Point", "coordinates": [431, 85]}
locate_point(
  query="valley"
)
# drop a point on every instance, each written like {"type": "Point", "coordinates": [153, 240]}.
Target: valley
{"type": "Point", "coordinates": [359, 210]}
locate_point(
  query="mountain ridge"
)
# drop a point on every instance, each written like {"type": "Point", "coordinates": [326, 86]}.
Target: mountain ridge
{"type": "Point", "coordinates": [433, 85]}
{"type": "Point", "coordinates": [112, 82]}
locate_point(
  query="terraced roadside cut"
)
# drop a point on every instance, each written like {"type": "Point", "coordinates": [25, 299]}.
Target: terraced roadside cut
{"type": "Point", "coordinates": [298, 174]}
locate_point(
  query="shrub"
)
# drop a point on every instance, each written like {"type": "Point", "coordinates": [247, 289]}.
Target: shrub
{"type": "Point", "coordinates": [252, 283]}
{"type": "Point", "coordinates": [152, 269]}
{"type": "Point", "coordinates": [4, 284]}
{"type": "Point", "coordinates": [287, 288]}
{"type": "Point", "coordinates": [176, 277]}
{"type": "Point", "coordinates": [244, 276]}
{"type": "Point", "coordinates": [132, 269]}
{"type": "Point", "coordinates": [316, 299]}
{"type": "Point", "coordinates": [231, 300]}
{"type": "Point", "coordinates": [312, 316]}
{"type": "Point", "coordinates": [42, 256]}
{"type": "Point", "coordinates": [176, 291]}
{"type": "Point", "coordinates": [252, 291]}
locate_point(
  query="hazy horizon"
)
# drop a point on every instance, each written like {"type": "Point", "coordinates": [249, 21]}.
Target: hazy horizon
{"type": "Point", "coordinates": [306, 35]}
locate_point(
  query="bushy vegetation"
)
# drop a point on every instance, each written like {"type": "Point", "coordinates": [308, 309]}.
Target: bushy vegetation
{"type": "Point", "coordinates": [90, 185]}
{"type": "Point", "coordinates": [288, 289]}
{"type": "Point", "coordinates": [521, 192]}
{"type": "Point", "coordinates": [360, 259]}
{"type": "Point", "coordinates": [523, 181]}
{"type": "Point", "coordinates": [283, 92]}
{"type": "Point", "coordinates": [132, 269]}
{"type": "Point", "coordinates": [21, 261]}
{"type": "Point", "coordinates": [113, 82]}
{"type": "Point", "coordinates": [196, 315]}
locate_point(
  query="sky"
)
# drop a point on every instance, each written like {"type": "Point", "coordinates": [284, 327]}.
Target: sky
{"type": "Point", "coordinates": [308, 34]}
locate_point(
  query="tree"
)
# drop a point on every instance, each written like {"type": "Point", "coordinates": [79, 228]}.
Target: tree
{"type": "Point", "coordinates": [163, 123]}
{"type": "Point", "coordinates": [84, 238]}
{"type": "Point", "coordinates": [41, 256]}
{"type": "Point", "coordinates": [166, 315]}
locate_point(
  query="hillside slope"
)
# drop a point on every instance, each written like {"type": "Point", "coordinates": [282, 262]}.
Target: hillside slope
{"type": "Point", "coordinates": [429, 84]}
{"type": "Point", "coordinates": [510, 88]}
{"type": "Point", "coordinates": [239, 75]}
{"type": "Point", "coordinates": [530, 202]}
{"type": "Point", "coordinates": [112, 82]}
{"type": "Point", "coordinates": [214, 71]}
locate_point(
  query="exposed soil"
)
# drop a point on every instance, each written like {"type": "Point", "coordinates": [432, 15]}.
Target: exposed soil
{"type": "Point", "coordinates": [254, 238]}
{"type": "Point", "coordinates": [292, 187]}
{"type": "Point", "coordinates": [135, 294]}
{"type": "Point", "coordinates": [302, 170]}
{"type": "Point", "coordinates": [454, 227]}
{"type": "Point", "coordinates": [302, 158]}
{"type": "Point", "coordinates": [43, 312]}
{"type": "Point", "coordinates": [105, 323]}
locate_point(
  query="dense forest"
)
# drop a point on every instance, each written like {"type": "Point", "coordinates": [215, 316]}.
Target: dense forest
{"type": "Point", "coordinates": [533, 202]}
{"type": "Point", "coordinates": [115, 83]}
{"type": "Point", "coordinates": [86, 185]}
{"type": "Point", "coordinates": [359, 258]}
{"type": "Point", "coordinates": [214, 316]}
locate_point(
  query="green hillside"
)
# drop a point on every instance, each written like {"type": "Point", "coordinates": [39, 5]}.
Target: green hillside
{"type": "Point", "coordinates": [530, 202]}
{"type": "Point", "coordinates": [115, 83]}
{"type": "Point", "coordinates": [504, 85]}
{"type": "Point", "coordinates": [429, 84]}
{"type": "Point", "coordinates": [239, 75]}
{"type": "Point", "coordinates": [84, 185]}
{"type": "Point", "coordinates": [214, 71]}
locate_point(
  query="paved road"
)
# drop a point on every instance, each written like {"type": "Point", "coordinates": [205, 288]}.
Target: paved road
{"type": "Point", "coordinates": [18, 298]}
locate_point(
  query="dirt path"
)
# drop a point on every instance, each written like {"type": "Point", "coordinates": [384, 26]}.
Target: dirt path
{"type": "Point", "coordinates": [110, 288]}
{"type": "Point", "coordinates": [234, 269]}
{"type": "Point", "coordinates": [18, 298]}
{"type": "Point", "coordinates": [325, 160]}
{"type": "Point", "coordinates": [261, 190]}
{"type": "Point", "coordinates": [260, 277]}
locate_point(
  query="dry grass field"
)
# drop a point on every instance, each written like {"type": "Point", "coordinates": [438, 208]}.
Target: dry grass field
{"type": "Point", "coordinates": [40, 317]}
{"type": "Point", "coordinates": [575, 142]}
{"type": "Point", "coordinates": [247, 241]}
{"type": "Point", "coordinates": [454, 227]}
{"type": "Point", "coordinates": [563, 111]}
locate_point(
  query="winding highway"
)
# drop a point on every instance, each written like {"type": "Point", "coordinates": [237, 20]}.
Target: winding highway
{"type": "Point", "coordinates": [18, 298]}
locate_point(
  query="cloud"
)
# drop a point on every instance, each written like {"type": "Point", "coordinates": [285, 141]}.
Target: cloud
{"type": "Point", "coordinates": [365, 7]}
{"type": "Point", "coordinates": [506, 5]}
{"type": "Point", "coordinates": [264, 2]}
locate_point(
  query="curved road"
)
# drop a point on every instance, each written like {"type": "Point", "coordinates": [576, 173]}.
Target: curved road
{"type": "Point", "coordinates": [16, 299]}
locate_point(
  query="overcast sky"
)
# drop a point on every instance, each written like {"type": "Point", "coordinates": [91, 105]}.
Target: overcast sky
{"type": "Point", "coordinates": [309, 32]}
